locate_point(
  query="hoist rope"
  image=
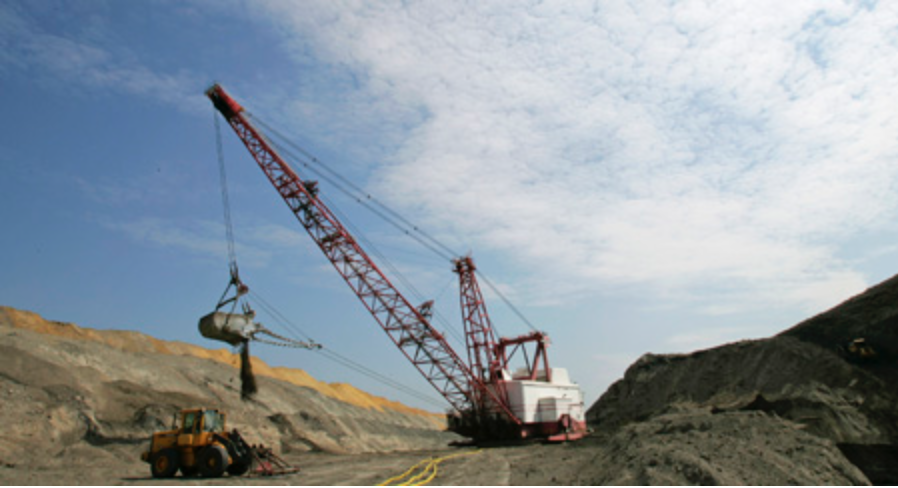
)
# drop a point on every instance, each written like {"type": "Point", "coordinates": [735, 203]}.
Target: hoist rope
{"type": "Point", "coordinates": [425, 242]}
{"type": "Point", "coordinates": [380, 209]}
{"type": "Point", "coordinates": [357, 233]}
{"type": "Point", "coordinates": [358, 194]}
{"type": "Point", "coordinates": [309, 343]}
{"type": "Point", "coordinates": [225, 200]}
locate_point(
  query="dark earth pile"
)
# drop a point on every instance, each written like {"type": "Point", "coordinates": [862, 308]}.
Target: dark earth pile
{"type": "Point", "coordinates": [801, 380]}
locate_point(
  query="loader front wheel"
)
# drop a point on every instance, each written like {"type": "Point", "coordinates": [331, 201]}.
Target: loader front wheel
{"type": "Point", "coordinates": [238, 469]}
{"type": "Point", "coordinates": [165, 463]}
{"type": "Point", "coordinates": [213, 461]}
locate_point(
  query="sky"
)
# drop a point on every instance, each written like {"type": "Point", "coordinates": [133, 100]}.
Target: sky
{"type": "Point", "coordinates": [655, 176]}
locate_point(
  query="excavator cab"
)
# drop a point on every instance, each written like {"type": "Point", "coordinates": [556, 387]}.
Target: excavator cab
{"type": "Point", "coordinates": [200, 444]}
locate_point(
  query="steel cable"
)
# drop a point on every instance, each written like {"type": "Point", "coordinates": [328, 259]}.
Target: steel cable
{"type": "Point", "coordinates": [340, 359]}
{"type": "Point", "coordinates": [225, 199]}
{"type": "Point", "coordinates": [359, 192]}
{"type": "Point", "coordinates": [387, 214]}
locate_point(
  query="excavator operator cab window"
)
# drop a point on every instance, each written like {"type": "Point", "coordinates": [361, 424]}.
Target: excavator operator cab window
{"type": "Point", "coordinates": [212, 421]}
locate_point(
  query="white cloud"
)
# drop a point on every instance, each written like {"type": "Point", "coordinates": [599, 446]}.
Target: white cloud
{"type": "Point", "coordinates": [676, 146]}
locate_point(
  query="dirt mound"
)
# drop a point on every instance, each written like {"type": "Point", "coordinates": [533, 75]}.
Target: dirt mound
{"type": "Point", "coordinates": [76, 399]}
{"type": "Point", "coordinates": [729, 448]}
{"type": "Point", "coordinates": [873, 316]}
{"type": "Point", "coordinates": [793, 379]}
{"type": "Point", "coordinates": [694, 447]}
{"type": "Point", "coordinates": [131, 341]}
{"type": "Point", "coordinates": [801, 378]}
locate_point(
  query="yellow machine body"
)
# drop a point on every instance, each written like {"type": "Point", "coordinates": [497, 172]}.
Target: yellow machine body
{"type": "Point", "coordinates": [199, 444]}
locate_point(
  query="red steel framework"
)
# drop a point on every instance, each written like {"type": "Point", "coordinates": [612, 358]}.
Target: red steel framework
{"type": "Point", "coordinates": [487, 356]}
{"type": "Point", "coordinates": [466, 391]}
{"type": "Point", "coordinates": [479, 336]}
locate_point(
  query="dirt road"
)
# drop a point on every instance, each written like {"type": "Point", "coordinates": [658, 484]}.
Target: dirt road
{"type": "Point", "coordinates": [681, 449]}
{"type": "Point", "coordinates": [488, 467]}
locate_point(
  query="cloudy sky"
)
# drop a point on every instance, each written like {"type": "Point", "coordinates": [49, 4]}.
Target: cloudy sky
{"type": "Point", "coordinates": [634, 176]}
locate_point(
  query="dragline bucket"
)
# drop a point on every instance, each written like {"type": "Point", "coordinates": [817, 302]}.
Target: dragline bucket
{"type": "Point", "coordinates": [233, 328]}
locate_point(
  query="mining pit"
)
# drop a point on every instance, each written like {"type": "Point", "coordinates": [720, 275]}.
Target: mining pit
{"type": "Point", "coordinates": [79, 406]}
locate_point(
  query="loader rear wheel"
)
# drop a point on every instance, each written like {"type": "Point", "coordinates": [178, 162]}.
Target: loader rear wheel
{"type": "Point", "coordinates": [213, 461]}
{"type": "Point", "coordinates": [165, 463]}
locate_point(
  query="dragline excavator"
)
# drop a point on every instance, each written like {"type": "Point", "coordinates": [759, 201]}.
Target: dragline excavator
{"type": "Point", "coordinates": [489, 399]}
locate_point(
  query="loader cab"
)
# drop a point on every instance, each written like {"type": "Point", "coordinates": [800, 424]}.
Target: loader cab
{"type": "Point", "coordinates": [199, 427]}
{"type": "Point", "coordinates": [202, 420]}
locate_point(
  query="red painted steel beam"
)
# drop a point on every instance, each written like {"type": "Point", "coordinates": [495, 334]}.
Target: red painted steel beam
{"type": "Point", "coordinates": [423, 345]}
{"type": "Point", "coordinates": [406, 326]}
{"type": "Point", "coordinates": [479, 336]}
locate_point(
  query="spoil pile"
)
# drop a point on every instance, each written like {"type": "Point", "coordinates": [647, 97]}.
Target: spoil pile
{"type": "Point", "coordinates": [799, 390]}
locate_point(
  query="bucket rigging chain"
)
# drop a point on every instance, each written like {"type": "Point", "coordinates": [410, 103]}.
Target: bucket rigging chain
{"type": "Point", "coordinates": [284, 341]}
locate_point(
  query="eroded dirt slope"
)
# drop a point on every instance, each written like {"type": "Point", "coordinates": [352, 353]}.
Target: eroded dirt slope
{"type": "Point", "coordinates": [131, 341]}
{"type": "Point", "coordinates": [74, 400]}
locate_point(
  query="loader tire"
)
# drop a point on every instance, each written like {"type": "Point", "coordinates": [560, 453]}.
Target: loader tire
{"type": "Point", "coordinates": [238, 469]}
{"type": "Point", "coordinates": [213, 461]}
{"type": "Point", "coordinates": [165, 463]}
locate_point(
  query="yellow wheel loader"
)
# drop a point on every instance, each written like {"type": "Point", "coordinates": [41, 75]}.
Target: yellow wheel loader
{"type": "Point", "coordinates": [859, 348]}
{"type": "Point", "coordinates": [200, 444]}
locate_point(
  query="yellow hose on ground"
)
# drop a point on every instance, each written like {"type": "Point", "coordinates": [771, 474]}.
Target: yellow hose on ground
{"type": "Point", "coordinates": [430, 466]}
{"type": "Point", "coordinates": [403, 475]}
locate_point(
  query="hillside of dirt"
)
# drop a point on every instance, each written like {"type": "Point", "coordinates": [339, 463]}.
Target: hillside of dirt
{"type": "Point", "coordinates": [131, 341]}
{"type": "Point", "coordinates": [73, 396]}
{"type": "Point", "coordinates": [801, 379]}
